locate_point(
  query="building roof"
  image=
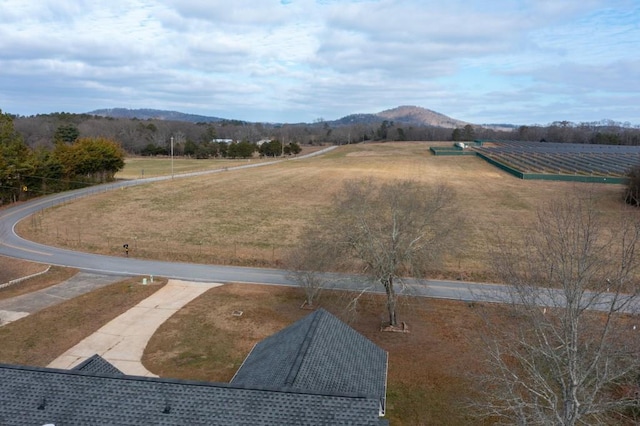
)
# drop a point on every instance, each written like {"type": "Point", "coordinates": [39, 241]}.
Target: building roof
{"type": "Point", "coordinates": [321, 354]}
{"type": "Point", "coordinates": [32, 396]}
{"type": "Point", "coordinates": [318, 371]}
{"type": "Point", "coordinates": [97, 365]}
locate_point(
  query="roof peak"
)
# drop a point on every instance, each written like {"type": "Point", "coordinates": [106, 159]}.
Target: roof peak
{"type": "Point", "coordinates": [316, 317]}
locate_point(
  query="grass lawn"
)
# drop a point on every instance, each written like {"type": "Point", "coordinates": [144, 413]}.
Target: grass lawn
{"type": "Point", "coordinates": [251, 217]}
{"type": "Point", "coordinates": [11, 269]}
{"type": "Point", "coordinates": [55, 275]}
{"type": "Point", "coordinates": [41, 337]}
{"type": "Point", "coordinates": [430, 368]}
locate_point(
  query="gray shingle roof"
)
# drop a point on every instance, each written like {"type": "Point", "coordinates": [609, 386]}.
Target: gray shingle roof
{"type": "Point", "coordinates": [36, 396]}
{"type": "Point", "coordinates": [98, 366]}
{"type": "Point", "coordinates": [318, 371]}
{"type": "Point", "coordinates": [319, 353]}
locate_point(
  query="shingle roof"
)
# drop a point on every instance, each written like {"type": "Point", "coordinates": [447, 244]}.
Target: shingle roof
{"type": "Point", "coordinates": [98, 366]}
{"type": "Point", "coordinates": [318, 371]}
{"type": "Point", "coordinates": [319, 353]}
{"type": "Point", "coordinates": [31, 396]}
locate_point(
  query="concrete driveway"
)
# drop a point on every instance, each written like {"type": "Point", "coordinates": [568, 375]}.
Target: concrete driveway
{"type": "Point", "coordinates": [83, 282]}
{"type": "Point", "coordinates": [122, 340]}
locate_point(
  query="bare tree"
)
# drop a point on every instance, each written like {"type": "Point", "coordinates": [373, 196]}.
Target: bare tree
{"type": "Point", "coordinates": [632, 192]}
{"type": "Point", "coordinates": [570, 348]}
{"type": "Point", "coordinates": [391, 230]}
{"type": "Point", "coordinates": [309, 262]}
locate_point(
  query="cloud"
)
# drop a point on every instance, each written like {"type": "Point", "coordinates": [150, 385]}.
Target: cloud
{"type": "Point", "coordinates": [300, 59]}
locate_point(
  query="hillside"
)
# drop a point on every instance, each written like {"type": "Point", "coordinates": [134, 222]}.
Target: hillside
{"type": "Point", "coordinates": [156, 114]}
{"type": "Point", "coordinates": [408, 115]}
{"type": "Point", "coordinates": [356, 119]}
{"type": "Point", "coordinates": [420, 116]}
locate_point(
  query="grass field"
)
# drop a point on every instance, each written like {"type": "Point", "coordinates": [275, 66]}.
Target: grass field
{"type": "Point", "coordinates": [250, 217]}
{"type": "Point", "coordinates": [139, 167]}
{"type": "Point", "coordinates": [11, 269]}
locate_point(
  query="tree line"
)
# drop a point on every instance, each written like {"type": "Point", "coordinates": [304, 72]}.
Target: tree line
{"type": "Point", "coordinates": [69, 162]}
{"type": "Point", "coordinates": [242, 149]}
{"type": "Point", "coordinates": [153, 136]}
{"type": "Point", "coordinates": [68, 154]}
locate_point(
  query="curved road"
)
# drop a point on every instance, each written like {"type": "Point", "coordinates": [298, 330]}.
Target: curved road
{"type": "Point", "coordinates": [12, 245]}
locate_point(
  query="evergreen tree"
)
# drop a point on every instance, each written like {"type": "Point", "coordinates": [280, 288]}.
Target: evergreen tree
{"type": "Point", "coordinates": [66, 133]}
{"type": "Point", "coordinates": [16, 162]}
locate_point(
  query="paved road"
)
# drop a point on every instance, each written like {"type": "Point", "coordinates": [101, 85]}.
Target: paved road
{"type": "Point", "coordinates": [14, 246]}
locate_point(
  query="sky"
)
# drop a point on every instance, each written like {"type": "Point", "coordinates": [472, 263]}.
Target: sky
{"type": "Point", "coordinates": [290, 61]}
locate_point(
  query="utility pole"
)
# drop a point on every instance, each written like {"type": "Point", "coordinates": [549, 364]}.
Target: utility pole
{"type": "Point", "coordinates": [171, 157]}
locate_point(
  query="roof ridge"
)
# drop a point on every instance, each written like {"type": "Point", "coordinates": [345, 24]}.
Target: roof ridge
{"type": "Point", "coordinates": [186, 382]}
{"type": "Point", "coordinates": [123, 377]}
{"type": "Point", "coordinates": [304, 348]}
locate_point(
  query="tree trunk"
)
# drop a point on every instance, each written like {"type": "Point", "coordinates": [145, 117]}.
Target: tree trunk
{"type": "Point", "coordinates": [391, 300]}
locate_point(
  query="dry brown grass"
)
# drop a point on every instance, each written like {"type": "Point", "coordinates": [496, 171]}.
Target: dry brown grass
{"type": "Point", "coordinates": [11, 269]}
{"type": "Point", "coordinates": [41, 337]}
{"type": "Point", "coordinates": [138, 167]}
{"type": "Point", "coordinates": [54, 276]}
{"type": "Point", "coordinates": [429, 368]}
{"type": "Point", "coordinates": [250, 217]}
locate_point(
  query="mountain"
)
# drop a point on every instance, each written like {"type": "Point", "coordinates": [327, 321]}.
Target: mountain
{"type": "Point", "coordinates": [356, 119]}
{"type": "Point", "coordinates": [420, 116]}
{"type": "Point", "coordinates": [146, 114]}
{"type": "Point", "coordinates": [405, 115]}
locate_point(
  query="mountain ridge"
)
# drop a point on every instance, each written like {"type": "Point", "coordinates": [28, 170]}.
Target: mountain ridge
{"type": "Point", "coordinates": [156, 114]}
{"type": "Point", "coordinates": [405, 114]}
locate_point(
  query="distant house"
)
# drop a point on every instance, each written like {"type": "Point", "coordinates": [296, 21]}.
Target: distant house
{"type": "Point", "coordinates": [227, 141]}
{"type": "Point", "coordinates": [318, 371]}
{"type": "Point", "coordinates": [263, 141]}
